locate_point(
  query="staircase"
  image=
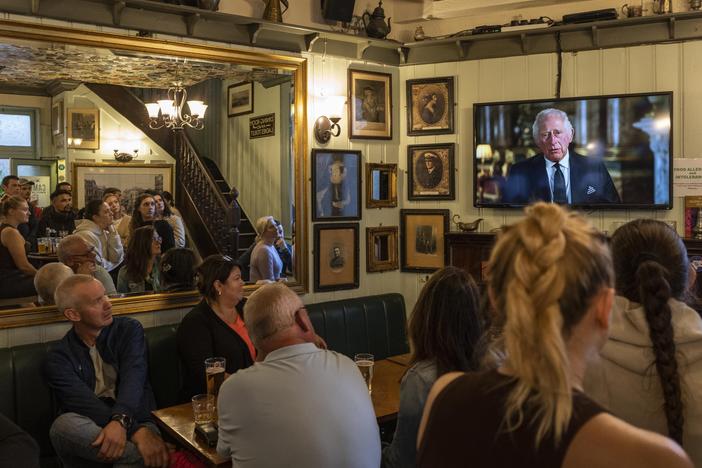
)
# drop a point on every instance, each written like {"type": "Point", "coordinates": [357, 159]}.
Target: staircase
{"type": "Point", "coordinates": [208, 204]}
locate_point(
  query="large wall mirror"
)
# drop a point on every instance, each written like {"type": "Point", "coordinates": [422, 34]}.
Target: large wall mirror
{"type": "Point", "coordinates": [254, 126]}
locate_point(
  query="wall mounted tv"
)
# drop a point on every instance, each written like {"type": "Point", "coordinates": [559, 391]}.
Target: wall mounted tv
{"type": "Point", "coordinates": [618, 153]}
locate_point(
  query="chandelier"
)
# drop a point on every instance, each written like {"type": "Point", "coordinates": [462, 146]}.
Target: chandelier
{"type": "Point", "coordinates": [169, 112]}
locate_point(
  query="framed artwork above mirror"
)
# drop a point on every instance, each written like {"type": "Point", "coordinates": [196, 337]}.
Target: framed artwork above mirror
{"type": "Point", "coordinates": [381, 249]}
{"type": "Point", "coordinates": [381, 185]}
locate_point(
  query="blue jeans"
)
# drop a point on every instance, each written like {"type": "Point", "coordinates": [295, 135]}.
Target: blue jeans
{"type": "Point", "coordinates": [72, 435]}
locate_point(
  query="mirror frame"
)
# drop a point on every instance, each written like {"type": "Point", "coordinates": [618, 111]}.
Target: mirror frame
{"type": "Point", "coordinates": [10, 29]}
{"type": "Point", "coordinates": [391, 170]}
{"type": "Point", "coordinates": [373, 263]}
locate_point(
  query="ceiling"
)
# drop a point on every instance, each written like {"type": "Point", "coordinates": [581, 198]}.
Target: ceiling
{"type": "Point", "coordinates": [25, 65]}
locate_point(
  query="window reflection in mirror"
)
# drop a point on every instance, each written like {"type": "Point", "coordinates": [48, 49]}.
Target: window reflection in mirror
{"type": "Point", "coordinates": [382, 251]}
{"type": "Point", "coordinates": [382, 248]}
{"type": "Point", "coordinates": [381, 189]}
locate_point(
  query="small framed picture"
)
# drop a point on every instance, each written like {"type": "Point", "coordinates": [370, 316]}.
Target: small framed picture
{"type": "Point", "coordinates": [84, 127]}
{"type": "Point", "coordinates": [381, 249]}
{"type": "Point", "coordinates": [381, 185]}
{"type": "Point", "coordinates": [57, 118]}
{"type": "Point", "coordinates": [431, 106]}
{"type": "Point", "coordinates": [336, 185]}
{"type": "Point", "coordinates": [431, 172]}
{"type": "Point", "coordinates": [240, 98]}
{"type": "Point", "coordinates": [370, 109]}
{"type": "Point", "coordinates": [422, 239]}
{"type": "Point", "coordinates": [336, 256]}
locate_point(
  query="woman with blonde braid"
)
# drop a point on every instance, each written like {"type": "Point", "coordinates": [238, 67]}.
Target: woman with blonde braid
{"type": "Point", "coordinates": [550, 276]}
{"type": "Point", "coordinates": [650, 372]}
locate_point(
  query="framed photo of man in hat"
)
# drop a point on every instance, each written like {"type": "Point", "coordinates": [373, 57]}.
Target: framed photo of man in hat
{"type": "Point", "coordinates": [430, 172]}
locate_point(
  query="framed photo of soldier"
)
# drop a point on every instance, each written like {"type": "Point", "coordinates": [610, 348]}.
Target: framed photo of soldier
{"type": "Point", "coordinates": [431, 172]}
{"type": "Point", "coordinates": [336, 256]}
{"type": "Point", "coordinates": [370, 105]}
{"type": "Point", "coordinates": [431, 105]}
{"type": "Point", "coordinates": [336, 185]}
{"type": "Point", "coordinates": [422, 247]}
{"type": "Point", "coordinates": [381, 248]}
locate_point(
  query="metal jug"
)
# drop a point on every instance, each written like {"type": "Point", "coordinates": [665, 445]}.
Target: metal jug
{"type": "Point", "coordinates": [662, 7]}
{"type": "Point", "coordinates": [375, 25]}
{"type": "Point", "coordinates": [273, 11]}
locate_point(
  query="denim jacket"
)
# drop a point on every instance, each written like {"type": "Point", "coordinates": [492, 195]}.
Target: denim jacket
{"type": "Point", "coordinates": [414, 390]}
{"type": "Point", "coordinates": [71, 375]}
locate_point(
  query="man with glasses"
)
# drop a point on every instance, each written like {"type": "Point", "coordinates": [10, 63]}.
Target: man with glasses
{"type": "Point", "coordinates": [74, 252]}
{"type": "Point", "coordinates": [557, 174]}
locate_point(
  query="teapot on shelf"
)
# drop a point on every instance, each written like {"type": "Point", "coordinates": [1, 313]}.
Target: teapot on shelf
{"type": "Point", "coordinates": [375, 25]}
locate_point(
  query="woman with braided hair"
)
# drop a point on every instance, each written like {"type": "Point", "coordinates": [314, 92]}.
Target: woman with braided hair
{"type": "Point", "coordinates": [550, 280]}
{"type": "Point", "coordinates": [650, 371]}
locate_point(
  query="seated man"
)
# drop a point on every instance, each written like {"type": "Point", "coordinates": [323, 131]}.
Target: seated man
{"type": "Point", "coordinates": [74, 252]}
{"type": "Point", "coordinates": [301, 406]}
{"type": "Point", "coordinates": [47, 280]}
{"type": "Point", "coordinates": [58, 216]}
{"type": "Point", "coordinates": [99, 375]}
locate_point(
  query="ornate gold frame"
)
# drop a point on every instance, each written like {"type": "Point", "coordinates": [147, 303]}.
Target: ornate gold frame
{"type": "Point", "coordinates": [373, 264]}
{"type": "Point", "coordinates": [297, 65]}
{"type": "Point", "coordinates": [391, 169]}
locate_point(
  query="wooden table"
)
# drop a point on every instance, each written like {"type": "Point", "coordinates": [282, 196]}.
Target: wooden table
{"type": "Point", "coordinates": [41, 259]}
{"type": "Point", "coordinates": [178, 420]}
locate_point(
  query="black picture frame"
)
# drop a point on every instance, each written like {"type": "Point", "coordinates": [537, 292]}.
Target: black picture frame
{"type": "Point", "coordinates": [422, 240]}
{"type": "Point", "coordinates": [240, 99]}
{"type": "Point", "coordinates": [335, 244]}
{"type": "Point", "coordinates": [326, 165]}
{"type": "Point", "coordinates": [431, 172]}
{"type": "Point", "coordinates": [370, 105]}
{"type": "Point", "coordinates": [430, 104]}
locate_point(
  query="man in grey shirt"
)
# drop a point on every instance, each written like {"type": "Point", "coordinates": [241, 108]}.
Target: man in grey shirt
{"type": "Point", "coordinates": [79, 256]}
{"type": "Point", "coordinates": [301, 406]}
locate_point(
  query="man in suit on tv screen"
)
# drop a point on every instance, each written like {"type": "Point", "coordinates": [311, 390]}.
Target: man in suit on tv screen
{"type": "Point", "coordinates": [557, 174]}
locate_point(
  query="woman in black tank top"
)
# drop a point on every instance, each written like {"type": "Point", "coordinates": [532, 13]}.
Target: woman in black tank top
{"type": "Point", "coordinates": [16, 273]}
{"type": "Point", "coordinates": [550, 283]}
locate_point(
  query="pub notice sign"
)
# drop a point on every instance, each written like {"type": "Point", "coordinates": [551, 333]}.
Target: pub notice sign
{"type": "Point", "coordinates": [262, 126]}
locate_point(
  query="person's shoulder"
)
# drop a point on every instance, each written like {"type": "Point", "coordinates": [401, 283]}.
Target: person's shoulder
{"type": "Point", "coordinates": [605, 440]}
{"type": "Point", "coordinates": [126, 323]}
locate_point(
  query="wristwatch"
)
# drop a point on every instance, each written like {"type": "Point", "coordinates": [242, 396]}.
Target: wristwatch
{"type": "Point", "coordinates": [123, 419]}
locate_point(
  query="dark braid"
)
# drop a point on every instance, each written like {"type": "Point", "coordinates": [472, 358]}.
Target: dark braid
{"type": "Point", "coordinates": [654, 293]}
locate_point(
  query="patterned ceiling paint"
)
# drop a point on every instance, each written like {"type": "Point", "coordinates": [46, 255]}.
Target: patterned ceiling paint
{"type": "Point", "coordinates": [39, 64]}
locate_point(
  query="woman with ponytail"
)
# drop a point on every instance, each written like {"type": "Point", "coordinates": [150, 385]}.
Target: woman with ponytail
{"type": "Point", "coordinates": [650, 371]}
{"type": "Point", "coordinates": [550, 281]}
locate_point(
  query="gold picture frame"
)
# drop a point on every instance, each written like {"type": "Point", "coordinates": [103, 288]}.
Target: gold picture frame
{"type": "Point", "coordinates": [381, 185]}
{"type": "Point", "coordinates": [381, 248]}
{"type": "Point", "coordinates": [423, 246]}
{"type": "Point", "coordinates": [83, 125]}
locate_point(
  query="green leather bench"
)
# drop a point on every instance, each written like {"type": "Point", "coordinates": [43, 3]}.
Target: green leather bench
{"type": "Point", "coordinates": [374, 324]}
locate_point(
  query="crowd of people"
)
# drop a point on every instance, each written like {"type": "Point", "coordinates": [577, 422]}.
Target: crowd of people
{"type": "Point", "coordinates": [579, 353]}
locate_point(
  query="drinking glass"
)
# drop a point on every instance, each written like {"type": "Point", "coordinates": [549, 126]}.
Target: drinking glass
{"type": "Point", "coordinates": [203, 408]}
{"type": "Point", "coordinates": [365, 361]}
{"type": "Point", "coordinates": [214, 374]}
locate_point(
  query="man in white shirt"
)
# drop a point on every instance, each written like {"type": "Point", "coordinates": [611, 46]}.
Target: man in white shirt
{"type": "Point", "coordinates": [301, 406]}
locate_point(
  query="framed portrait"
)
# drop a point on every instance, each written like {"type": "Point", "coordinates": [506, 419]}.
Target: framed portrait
{"type": "Point", "coordinates": [84, 125]}
{"type": "Point", "coordinates": [57, 118]}
{"type": "Point", "coordinates": [381, 185]}
{"type": "Point", "coordinates": [430, 104]}
{"type": "Point", "coordinates": [422, 241]}
{"type": "Point", "coordinates": [370, 108]}
{"type": "Point", "coordinates": [336, 256]}
{"type": "Point", "coordinates": [240, 99]}
{"type": "Point", "coordinates": [336, 185]}
{"type": "Point", "coordinates": [431, 172]}
{"type": "Point", "coordinates": [91, 179]}
{"type": "Point", "coordinates": [381, 249]}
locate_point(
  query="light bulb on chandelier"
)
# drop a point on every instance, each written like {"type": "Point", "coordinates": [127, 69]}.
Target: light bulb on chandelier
{"type": "Point", "coordinates": [171, 111]}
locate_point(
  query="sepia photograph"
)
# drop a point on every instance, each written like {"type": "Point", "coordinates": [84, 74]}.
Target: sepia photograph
{"type": "Point", "coordinates": [370, 105]}
{"type": "Point", "coordinates": [422, 238]}
{"type": "Point", "coordinates": [336, 185]}
{"type": "Point", "coordinates": [431, 106]}
{"type": "Point", "coordinates": [91, 180]}
{"type": "Point", "coordinates": [84, 126]}
{"type": "Point", "coordinates": [240, 98]}
{"type": "Point", "coordinates": [336, 256]}
{"type": "Point", "coordinates": [431, 172]}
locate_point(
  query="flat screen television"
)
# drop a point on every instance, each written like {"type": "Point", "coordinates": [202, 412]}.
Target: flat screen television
{"type": "Point", "coordinates": [619, 152]}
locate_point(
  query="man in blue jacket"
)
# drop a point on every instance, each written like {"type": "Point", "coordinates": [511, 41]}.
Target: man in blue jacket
{"type": "Point", "coordinates": [98, 372]}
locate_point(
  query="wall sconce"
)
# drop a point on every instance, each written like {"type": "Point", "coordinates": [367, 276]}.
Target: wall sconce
{"type": "Point", "coordinates": [125, 157]}
{"type": "Point", "coordinates": [327, 127]}
{"type": "Point", "coordinates": [74, 142]}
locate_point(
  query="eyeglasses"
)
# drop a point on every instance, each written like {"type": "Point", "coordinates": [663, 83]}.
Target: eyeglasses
{"type": "Point", "coordinates": [157, 238]}
{"type": "Point", "coordinates": [89, 253]}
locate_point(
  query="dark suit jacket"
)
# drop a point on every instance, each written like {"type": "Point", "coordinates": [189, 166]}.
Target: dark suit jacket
{"type": "Point", "coordinates": [590, 183]}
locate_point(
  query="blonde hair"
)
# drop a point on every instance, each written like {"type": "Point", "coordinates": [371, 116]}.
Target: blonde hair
{"type": "Point", "coordinates": [269, 310]}
{"type": "Point", "coordinates": [544, 272]}
{"type": "Point", "coordinates": [263, 223]}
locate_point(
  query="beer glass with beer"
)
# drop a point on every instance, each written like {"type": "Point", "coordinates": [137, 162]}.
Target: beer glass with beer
{"type": "Point", "coordinates": [214, 373]}
{"type": "Point", "coordinates": [365, 361]}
